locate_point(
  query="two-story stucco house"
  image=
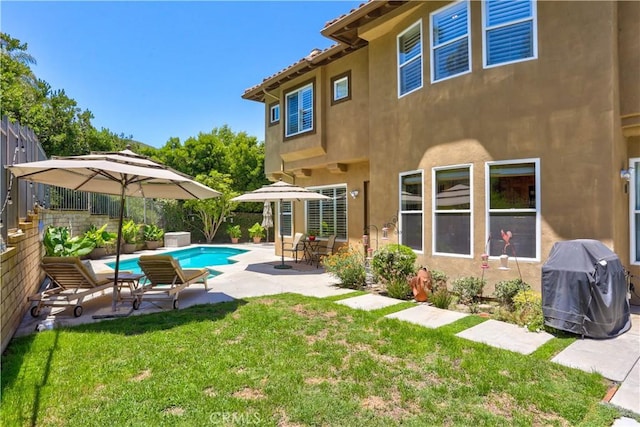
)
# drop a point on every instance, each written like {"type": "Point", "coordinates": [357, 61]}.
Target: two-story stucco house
{"type": "Point", "coordinates": [448, 123]}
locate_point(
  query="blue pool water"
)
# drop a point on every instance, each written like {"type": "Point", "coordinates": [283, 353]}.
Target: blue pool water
{"type": "Point", "coordinates": [199, 257]}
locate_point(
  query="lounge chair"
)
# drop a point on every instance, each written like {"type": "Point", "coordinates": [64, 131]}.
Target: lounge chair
{"type": "Point", "coordinates": [164, 279]}
{"type": "Point", "coordinates": [321, 250]}
{"type": "Point", "coordinates": [296, 246]}
{"type": "Point", "coordinates": [70, 282]}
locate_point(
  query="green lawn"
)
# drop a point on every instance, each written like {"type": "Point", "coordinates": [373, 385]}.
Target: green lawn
{"type": "Point", "coordinates": [285, 360]}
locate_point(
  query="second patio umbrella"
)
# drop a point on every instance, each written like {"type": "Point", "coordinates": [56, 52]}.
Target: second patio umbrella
{"type": "Point", "coordinates": [123, 173]}
{"type": "Point", "coordinates": [278, 192]}
{"type": "Point", "coordinates": [267, 217]}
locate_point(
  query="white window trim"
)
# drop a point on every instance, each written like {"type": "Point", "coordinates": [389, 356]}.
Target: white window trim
{"type": "Point", "coordinates": [400, 211]}
{"type": "Point", "coordinates": [421, 56]}
{"type": "Point", "coordinates": [335, 84]}
{"type": "Point", "coordinates": [433, 48]}
{"type": "Point", "coordinates": [286, 100]}
{"type": "Point", "coordinates": [434, 208]}
{"type": "Point", "coordinates": [632, 211]}
{"type": "Point", "coordinates": [534, 19]}
{"type": "Point", "coordinates": [538, 210]}
{"type": "Point", "coordinates": [280, 216]}
{"type": "Point", "coordinates": [322, 187]}
{"type": "Point", "coordinates": [271, 110]}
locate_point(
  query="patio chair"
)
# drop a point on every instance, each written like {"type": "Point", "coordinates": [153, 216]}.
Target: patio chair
{"type": "Point", "coordinates": [165, 278]}
{"type": "Point", "coordinates": [70, 282]}
{"type": "Point", "coordinates": [321, 250]}
{"type": "Point", "coordinates": [296, 246]}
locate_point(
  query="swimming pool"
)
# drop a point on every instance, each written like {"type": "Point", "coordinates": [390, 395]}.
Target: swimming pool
{"type": "Point", "coordinates": [198, 257]}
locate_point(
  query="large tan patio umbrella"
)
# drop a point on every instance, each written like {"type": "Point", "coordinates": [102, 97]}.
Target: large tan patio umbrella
{"type": "Point", "coordinates": [278, 192]}
{"type": "Point", "coordinates": [123, 173]}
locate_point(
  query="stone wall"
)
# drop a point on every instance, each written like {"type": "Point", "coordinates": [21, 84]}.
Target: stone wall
{"type": "Point", "coordinates": [20, 276]}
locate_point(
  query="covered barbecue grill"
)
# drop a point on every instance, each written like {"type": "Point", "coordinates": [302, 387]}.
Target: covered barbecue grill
{"type": "Point", "coordinates": [584, 290]}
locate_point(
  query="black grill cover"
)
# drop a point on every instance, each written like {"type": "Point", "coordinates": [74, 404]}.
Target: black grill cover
{"type": "Point", "coordinates": [584, 290]}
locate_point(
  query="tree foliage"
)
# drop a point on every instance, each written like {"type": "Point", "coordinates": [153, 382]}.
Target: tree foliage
{"type": "Point", "coordinates": [61, 126]}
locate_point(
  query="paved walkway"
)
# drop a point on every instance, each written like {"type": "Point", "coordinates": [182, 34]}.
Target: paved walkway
{"type": "Point", "coordinates": [254, 275]}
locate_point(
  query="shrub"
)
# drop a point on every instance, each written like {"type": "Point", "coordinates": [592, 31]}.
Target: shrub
{"type": "Point", "coordinates": [234, 231]}
{"type": "Point", "coordinates": [399, 288]}
{"type": "Point", "coordinates": [152, 233]}
{"type": "Point", "coordinates": [528, 310]}
{"type": "Point", "coordinates": [256, 230]}
{"type": "Point", "coordinates": [58, 242]}
{"type": "Point", "coordinates": [441, 298]}
{"type": "Point", "coordinates": [130, 231]}
{"type": "Point", "coordinates": [394, 261]}
{"type": "Point", "coordinates": [439, 279]}
{"type": "Point", "coordinates": [468, 289]}
{"type": "Point", "coordinates": [507, 289]}
{"type": "Point", "coordinates": [347, 265]}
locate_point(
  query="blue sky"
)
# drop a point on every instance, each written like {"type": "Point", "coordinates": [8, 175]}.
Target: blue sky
{"type": "Point", "coordinates": [157, 70]}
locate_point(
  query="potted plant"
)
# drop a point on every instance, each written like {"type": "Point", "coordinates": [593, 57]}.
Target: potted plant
{"type": "Point", "coordinates": [152, 235]}
{"type": "Point", "coordinates": [256, 232]}
{"type": "Point", "coordinates": [101, 238]}
{"type": "Point", "coordinates": [130, 231]}
{"type": "Point", "coordinates": [311, 234]}
{"type": "Point", "coordinates": [234, 232]}
{"type": "Point", "coordinates": [58, 242]}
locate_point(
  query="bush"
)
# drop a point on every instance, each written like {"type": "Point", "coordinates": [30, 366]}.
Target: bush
{"type": "Point", "coordinates": [347, 264]}
{"type": "Point", "coordinates": [439, 279]}
{"type": "Point", "coordinates": [528, 310]}
{"type": "Point", "coordinates": [468, 289]}
{"type": "Point", "coordinates": [394, 262]}
{"type": "Point", "coordinates": [441, 298]}
{"type": "Point", "coordinates": [507, 289]}
{"type": "Point", "coordinates": [399, 288]}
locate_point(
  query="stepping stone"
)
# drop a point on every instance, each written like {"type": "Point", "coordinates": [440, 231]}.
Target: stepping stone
{"type": "Point", "coordinates": [506, 336]}
{"type": "Point", "coordinates": [430, 317]}
{"type": "Point", "coordinates": [613, 358]}
{"type": "Point", "coordinates": [627, 395]}
{"type": "Point", "coordinates": [369, 302]}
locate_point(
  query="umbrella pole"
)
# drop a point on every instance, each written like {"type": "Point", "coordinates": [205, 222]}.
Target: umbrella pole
{"type": "Point", "coordinates": [282, 266]}
{"type": "Point", "coordinates": [114, 299]}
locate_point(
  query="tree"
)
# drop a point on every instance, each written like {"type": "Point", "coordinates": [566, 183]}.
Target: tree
{"type": "Point", "coordinates": [211, 212]}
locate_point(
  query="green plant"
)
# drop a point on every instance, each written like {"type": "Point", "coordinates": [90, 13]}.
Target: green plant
{"type": "Point", "coordinates": [256, 230]}
{"type": "Point", "coordinates": [312, 232]}
{"type": "Point", "coordinates": [347, 265]}
{"type": "Point", "coordinates": [441, 298]}
{"type": "Point", "coordinates": [468, 289]}
{"type": "Point", "coordinates": [100, 236]}
{"type": "Point", "coordinates": [394, 261]}
{"type": "Point", "coordinates": [234, 231]}
{"type": "Point", "coordinates": [57, 242]}
{"type": "Point", "coordinates": [439, 279]}
{"type": "Point", "coordinates": [130, 231]}
{"type": "Point", "coordinates": [507, 289]}
{"type": "Point", "coordinates": [399, 288]}
{"type": "Point", "coordinates": [152, 233]}
{"type": "Point", "coordinates": [528, 310]}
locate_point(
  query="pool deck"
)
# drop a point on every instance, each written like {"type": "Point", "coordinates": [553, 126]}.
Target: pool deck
{"type": "Point", "coordinates": [254, 275]}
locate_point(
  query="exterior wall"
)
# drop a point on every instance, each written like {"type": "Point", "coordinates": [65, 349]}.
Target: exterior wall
{"type": "Point", "coordinates": [20, 276]}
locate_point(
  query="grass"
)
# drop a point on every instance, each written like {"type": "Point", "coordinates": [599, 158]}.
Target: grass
{"type": "Point", "coordinates": [285, 360]}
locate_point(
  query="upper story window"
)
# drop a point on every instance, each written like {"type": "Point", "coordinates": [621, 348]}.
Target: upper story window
{"type": "Point", "coordinates": [274, 113]}
{"type": "Point", "coordinates": [341, 88]}
{"type": "Point", "coordinates": [450, 47]}
{"type": "Point", "coordinates": [410, 59]}
{"type": "Point", "coordinates": [299, 106]}
{"type": "Point", "coordinates": [411, 210]}
{"type": "Point", "coordinates": [453, 211]}
{"type": "Point", "coordinates": [510, 31]}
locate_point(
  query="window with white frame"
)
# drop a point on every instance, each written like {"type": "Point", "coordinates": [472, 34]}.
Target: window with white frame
{"type": "Point", "coordinates": [452, 215]}
{"type": "Point", "coordinates": [411, 209]}
{"type": "Point", "coordinates": [510, 31]}
{"type": "Point", "coordinates": [299, 107]}
{"type": "Point", "coordinates": [634, 210]}
{"type": "Point", "coordinates": [450, 47]}
{"type": "Point", "coordinates": [286, 218]}
{"type": "Point", "coordinates": [327, 217]}
{"type": "Point", "coordinates": [274, 113]}
{"type": "Point", "coordinates": [341, 90]}
{"type": "Point", "coordinates": [513, 197]}
{"type": "Point", "coordinates": [410, 59]}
